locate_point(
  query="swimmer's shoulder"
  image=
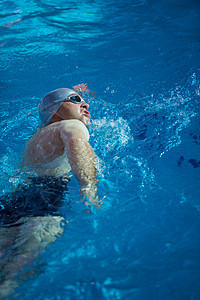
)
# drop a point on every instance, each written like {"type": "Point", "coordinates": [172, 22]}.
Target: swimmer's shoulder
{"type": "Point", "coordinates": [43, 134]}
{"type": "Point", "coordinates": [74, 126]}
{"type": "Point", "coordinates": [61, 129]}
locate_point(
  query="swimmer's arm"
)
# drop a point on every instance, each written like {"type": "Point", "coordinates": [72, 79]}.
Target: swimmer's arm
{"type": "Point", "coordinates": [82, 160]}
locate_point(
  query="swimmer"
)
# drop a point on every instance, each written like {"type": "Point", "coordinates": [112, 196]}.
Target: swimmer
{"type": "Point", "coordinates": [61, 145]}
{"type": "Point", "coordinates": [31, 215]}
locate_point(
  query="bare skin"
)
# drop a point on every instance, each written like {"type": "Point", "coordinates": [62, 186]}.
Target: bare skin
{"type": "Point", "coordinates": [21, 244]}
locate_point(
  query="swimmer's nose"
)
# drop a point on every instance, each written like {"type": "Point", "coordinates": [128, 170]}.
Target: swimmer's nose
{"type": "Point", "coordinates": [85, 105]}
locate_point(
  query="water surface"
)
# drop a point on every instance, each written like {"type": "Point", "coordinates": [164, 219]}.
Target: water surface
{"type": "Point", "coordinates": [141, 61]}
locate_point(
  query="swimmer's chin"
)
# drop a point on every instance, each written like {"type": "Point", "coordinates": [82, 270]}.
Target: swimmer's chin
{"type": "Point", "coordinates": [86, 121]}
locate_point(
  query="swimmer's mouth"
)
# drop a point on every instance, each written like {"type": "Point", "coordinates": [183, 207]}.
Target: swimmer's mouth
{"type": "Point", "coordinates": [86, 113]}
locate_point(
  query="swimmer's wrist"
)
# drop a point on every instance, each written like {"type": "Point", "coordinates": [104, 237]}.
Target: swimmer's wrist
{"type": "Point", "coordinates": [88, 188]}
{"type": "Point", "coordinates": [89, 193]}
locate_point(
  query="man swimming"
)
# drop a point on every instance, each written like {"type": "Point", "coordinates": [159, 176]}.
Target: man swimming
{"type": "Point", "coordinates": [62, 144]}
{"type": "Point", "coordinates": [31, 218]}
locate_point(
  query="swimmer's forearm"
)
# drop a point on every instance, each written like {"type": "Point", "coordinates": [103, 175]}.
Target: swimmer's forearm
{"type": "Point", "coordinates": [82, 161]}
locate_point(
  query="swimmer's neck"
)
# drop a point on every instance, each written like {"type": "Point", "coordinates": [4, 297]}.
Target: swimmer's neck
{"type": "Point", "coordinates": [56, 119]}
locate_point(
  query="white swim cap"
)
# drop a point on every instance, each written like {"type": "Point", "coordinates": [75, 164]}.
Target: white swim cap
{"type": "Point", "coordinates": [51, 103]}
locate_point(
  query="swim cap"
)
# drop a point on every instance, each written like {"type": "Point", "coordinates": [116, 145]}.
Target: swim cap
{"type": "Point", "coordinates": [51, 103]}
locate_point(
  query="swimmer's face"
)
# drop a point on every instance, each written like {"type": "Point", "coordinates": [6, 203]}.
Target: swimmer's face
{"type": "Point", "coordinates": [78, 111]}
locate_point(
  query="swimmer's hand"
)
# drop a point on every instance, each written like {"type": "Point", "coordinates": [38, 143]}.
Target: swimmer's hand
{"type": "Point", "coordinates": [89, 193]}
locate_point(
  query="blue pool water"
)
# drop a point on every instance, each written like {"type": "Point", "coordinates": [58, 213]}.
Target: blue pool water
{"type": "Point", "coordinates": [141, 61]}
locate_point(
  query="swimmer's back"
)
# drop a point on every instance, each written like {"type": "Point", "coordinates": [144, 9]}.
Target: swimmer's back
{"type": "Point", "coordinates": [47, 143]}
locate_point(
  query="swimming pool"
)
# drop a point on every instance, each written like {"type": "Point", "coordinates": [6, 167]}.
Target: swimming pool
{"type": "Point", "coordinates": [141, 61]}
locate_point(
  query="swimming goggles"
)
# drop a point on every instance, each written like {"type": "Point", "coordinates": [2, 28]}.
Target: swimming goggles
{"type": "Point", "coordinates": [73, 98]}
